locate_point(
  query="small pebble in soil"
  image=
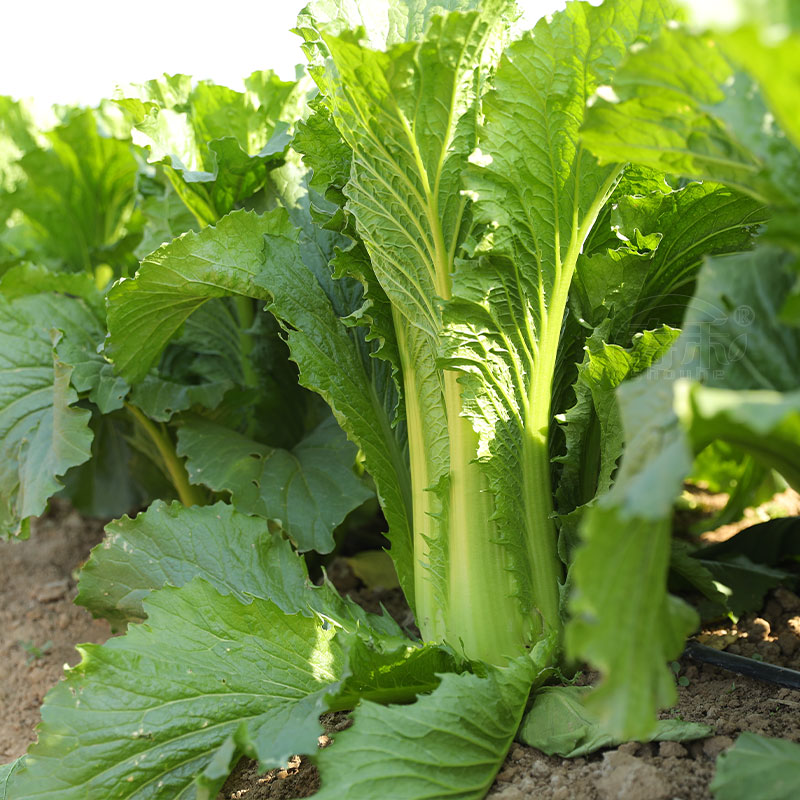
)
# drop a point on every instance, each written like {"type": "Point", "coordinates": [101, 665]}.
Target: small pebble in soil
{"type": "Point", "coordinates": [672, 750]}
{"type": "Point", "coordinates": [52, 591]}
{"type": "Point", "coordinates": [626, 777]}
{"type": "Point", "coordinates": [714, 745]}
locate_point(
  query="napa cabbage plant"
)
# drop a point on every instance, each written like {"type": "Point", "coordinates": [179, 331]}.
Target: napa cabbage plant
{"type": "Point", "coordinates": [466, 277]}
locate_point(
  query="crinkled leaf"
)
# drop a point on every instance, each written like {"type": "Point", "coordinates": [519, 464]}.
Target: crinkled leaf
{"type": "Point", "coordinates": [537, 194]}
{"type": "Point", "coordinates": [384, 22]}
{"type": "Point", "coordinates": [391, 670]}
{"type": "Point", "coordinates": [757, 766]}
{"type": "Point", "coordinates": [593, 428]}
{"type": "Point", "coordinates": [680, 108]}
{"type": "Point", "coordinates": [404, 194]}
{"type": "Point", "coordinates": [690, 224]}
{"type": "Point", "coordinates": [146, 312]}
{"type": "Point", "coordinates": [142, 715]}
{"type": "Point", "coordinates": [309, 489]}
{"type": "Point", "coordinates": [238, 555]}
{"type": "Point", "coordinates": [216, 143]}
{"type": "Point", "coordinates": [732, 337]}
{"type": "Point", "coordinates": [560, 724]}
{"type": "Point", "coordinates": [171, 544]}
{"type": "Point", "coordinates": [449, 743]}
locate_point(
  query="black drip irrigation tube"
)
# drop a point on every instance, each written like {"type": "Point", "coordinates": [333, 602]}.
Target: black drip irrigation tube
{"type": "Point", "coordinates": [781, 676]}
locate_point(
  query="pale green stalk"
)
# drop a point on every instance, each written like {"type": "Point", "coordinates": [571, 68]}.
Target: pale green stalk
{"type": "Point", "coordinates": [188, 494]}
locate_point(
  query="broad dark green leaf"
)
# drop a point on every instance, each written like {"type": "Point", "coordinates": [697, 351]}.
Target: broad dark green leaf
{"type": "Point", "coordinates": [449, 743]}
{"type": "Point", "coordinates": [308, 490]}
{"type": "Point", "coordinates": [560, 724]}
{"type": "Point", "coordinates": [758, 767]}
{"type": "Point", "coordinates": [171, 544]}
{"type": "Point", "coordinates": [42, 434]}
{"type": "Point", "coordinates": [142, 715]}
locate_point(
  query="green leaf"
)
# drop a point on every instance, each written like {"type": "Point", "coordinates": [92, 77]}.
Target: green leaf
{"type": "Point", "coordinates": [339, 363]}
{"type": "Point", "coordinates": [78, 197]}
{"type": "Point", "coordinates": [773, 65]}
{"type": "Point", "coordinates": [308, 490]}
{"type": "Point", "coordinates": [26, 278]}
{"type": "Point", "coordinates": [391, 671]}
{"type": "Point", "coordinates": [560, 724]}
{"type": "Point", "coordinates": [115, 479]}
{"type": "Point", "coordinates": [268, 258]}
{"type": "Point", "coordinates": [747, 583]}
{"type": "Point", "coordinates": [160, 399]}
{"type": "Point", "coordinates": [166, 217]}
{"type": "Point", "coordinates": [215, 143]}
{"type": "Point", "coordinates": [41, 434]}
{"type": "Point", "coordinates": [201, 364]}
{"type": "Point", "coordinates": [171, 544]}
{"type": "Point", "coordinates": [604, 368]}
{"type": "Point", "coordinates": [238, 555]}
{"type": "Point", "coordinates": [145, 313]}
{"type": "Point", "coordinates": [383, 22]}
{"type": "Point", "coordinates": [450, 743]}
{"type": "Point", "coordinates": [758, 767]}
{"type": "Point", "coordinates": [404, 194]}
{"type": "Point", "coordinates": [6, 771]}
{"type": "Point", "coordinates": [374, 569]}
{"type": "Point", "coordinates": [732, 338]}
{"type": "Point", "coordinates": [767, 543]}
{"type": "Point", "coordinates": [536, 196]}
{"type": "Point", "coordinates": [679, 107]}
{"type": "Point", "coordinates": [146, 712]}
{"type": "Point", "coordinates": [764, 423]}
{"type": "Point", "coordinates": [627, 625]}
{"type": "Point", "coordinates": [689, 224]}
{"type": "Point", "coordinates": [84, 329]}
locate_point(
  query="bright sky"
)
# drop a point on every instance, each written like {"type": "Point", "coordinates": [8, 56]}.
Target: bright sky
{"type": "Point", "coordinates": [79, 51]}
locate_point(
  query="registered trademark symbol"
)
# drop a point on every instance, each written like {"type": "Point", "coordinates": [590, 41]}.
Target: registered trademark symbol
{"type": "Point", "coordinates": [744, 315]}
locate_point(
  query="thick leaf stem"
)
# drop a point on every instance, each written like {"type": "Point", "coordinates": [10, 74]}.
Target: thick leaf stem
{"type": "Point", "coordinates": [246, 318]}
{"type": "Point", "coordinates": [188, 494]}
{"type": "Point", "coordinates": [537, 487]}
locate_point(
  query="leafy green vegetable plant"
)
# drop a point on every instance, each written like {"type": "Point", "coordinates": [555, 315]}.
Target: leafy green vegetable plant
{"type": "Point", "coordinates": [466, 268]}
{"type": "Point", "coordinates": [108, 445]}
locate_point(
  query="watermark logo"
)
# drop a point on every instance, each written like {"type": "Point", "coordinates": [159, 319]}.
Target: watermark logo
{"type": "Point", "coordinates": [712, 342]}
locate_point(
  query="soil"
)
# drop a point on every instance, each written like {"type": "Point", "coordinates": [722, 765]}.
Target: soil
{"type": "Point", "coordinates": [39, 626]}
